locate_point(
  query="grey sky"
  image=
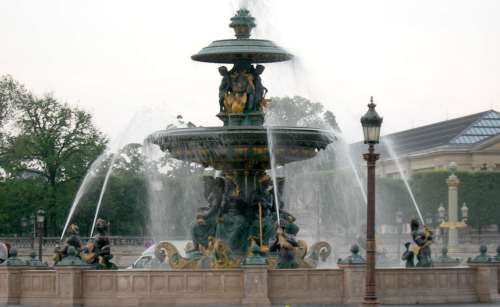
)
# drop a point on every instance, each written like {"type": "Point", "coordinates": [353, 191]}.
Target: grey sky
{"type": "Point", "coordinates": [424, 61]}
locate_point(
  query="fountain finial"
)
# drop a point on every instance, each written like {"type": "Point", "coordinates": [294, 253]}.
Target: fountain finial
{"type": "Point", "coordinates": [242, 23]}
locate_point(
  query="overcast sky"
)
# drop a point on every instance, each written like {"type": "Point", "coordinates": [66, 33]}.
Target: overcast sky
{"type": "Point", "coordinates": [423, 61]}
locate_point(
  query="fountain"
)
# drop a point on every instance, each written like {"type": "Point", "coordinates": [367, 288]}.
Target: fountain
{"type": "Point", "coordinates": [245, 206]}
{"type": "Point", "coordinates": [245, 225]}
{"type": "Point", "coordinates": [390, 149]}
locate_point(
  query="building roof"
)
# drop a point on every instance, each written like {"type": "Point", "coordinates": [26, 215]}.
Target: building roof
{"type": "Point", "coordinates": [460, 133]}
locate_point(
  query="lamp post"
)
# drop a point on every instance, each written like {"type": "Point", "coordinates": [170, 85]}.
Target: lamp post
{"type": "Point", "coordinates": [33, 231]}
{"type": "Point", "coordinates": [108, 226]}
{"type": "Point", "coordinates": [40, 219]}
{"type": "Point", "coordinates": [399, 222]}
{"type": "Point", "coordinates": [371, 123]}
{"type": "Point", "coordinates": [465, 213]}
{"type": "Point", "coordinates": [24, 226]}
{"type": "Point", "coordinates": [429, 221]}
{"type": "Point", "coordinates": [441, 213]}
{"type": "Point", "coordinates": [442, 219]}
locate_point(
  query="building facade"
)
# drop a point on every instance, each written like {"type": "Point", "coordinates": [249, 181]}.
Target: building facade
{"type": "Point", "coordinates": [473, 142]}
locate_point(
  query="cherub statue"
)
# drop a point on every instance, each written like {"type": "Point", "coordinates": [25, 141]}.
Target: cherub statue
{"type": "Point", "coordinates": [421, 247]}
{"type": "Point", "coordinates": [408, 257]}
{"type": "Point", "coordinates": [224, 87]}
{"type": "Point", "coordinates": [72, 240]}
{"type": "Point", "coordinates": [98, 249]}
{"type": "Point", "coordinates": [260, 91]}
{"type": "Point", "coordinates": [201, 232]}
{"type": "Point", "coordinates": [285, 246]}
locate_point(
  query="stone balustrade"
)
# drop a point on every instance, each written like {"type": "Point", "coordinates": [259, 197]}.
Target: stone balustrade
{"type": "Point", "coordinates": [26, 242]}
{"type": "Point", "coordinates": [253, 286]}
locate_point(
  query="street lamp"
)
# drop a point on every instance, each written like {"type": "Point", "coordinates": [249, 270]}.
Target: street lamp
{"type": "Point", "coordinates": [40, 219]}
{"type": "Point", "coordinates": [33, 231]}
{"type": "Point", "coordinates": [442, 213]}
{"type": "Point", "coordinates": [428, 220]}
{"type": "Point", "coordinates": [399, 222]}
{"type": "Point", "coordinates": [371, 123]}
{"type": "Point", "coordinates": [442, 219]}
{"type": "Point", "coordinates": [24, 225]}
{"type": "Point", "coordinates": [465, 213]}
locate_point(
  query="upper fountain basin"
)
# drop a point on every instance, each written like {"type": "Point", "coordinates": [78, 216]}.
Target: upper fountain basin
{"type": "Point", "coordinates": [230, 51]}
{"type": "Point", "coordinates": [244, 147]}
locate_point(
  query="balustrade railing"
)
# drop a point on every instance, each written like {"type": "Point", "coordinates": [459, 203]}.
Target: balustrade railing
{"type": "Point", "coordinates": [27, 242]}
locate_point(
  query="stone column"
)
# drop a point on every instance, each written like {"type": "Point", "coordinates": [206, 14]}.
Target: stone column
{"type": "Point", "coordinates": [10, 285]}
{"type": "Point", "coordinates": [354, 280]}
{"type": "Point", "coordinates": [255, 285]}
{"type": "Point", "coordinates": [453, 183]}
{"type": "Point", "coordinates": [69, 283]}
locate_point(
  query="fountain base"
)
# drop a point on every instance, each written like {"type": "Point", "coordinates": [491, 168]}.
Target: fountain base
{"type": "Point", "coordinates": [80, 286]}
{"type": "Point", "coordinates": [219, 256]}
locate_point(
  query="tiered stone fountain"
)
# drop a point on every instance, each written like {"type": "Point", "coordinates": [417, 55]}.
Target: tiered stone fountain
{"type": "Point", "coordinates": [242, 225]}
{"type": "Point", "coordinates": [243, 209]}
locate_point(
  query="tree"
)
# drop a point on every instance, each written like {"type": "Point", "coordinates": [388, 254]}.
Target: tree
{"type": "Point", "coordinates": [50, 141]}
{"type": "Point", "coordinates": [130, 160]}
{"type": "Point", "coordinates": [299, 111]}
{"type": "Point", "coordinates": [10, 91]}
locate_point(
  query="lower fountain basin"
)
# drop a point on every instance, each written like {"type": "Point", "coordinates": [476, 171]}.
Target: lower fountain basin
{"type": "Point", "coordinates": [243, 147]}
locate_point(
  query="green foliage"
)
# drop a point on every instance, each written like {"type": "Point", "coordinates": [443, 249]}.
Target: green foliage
{"type": "Point", "coordinates": [299, 111]}
{"type": "Point", "coordinates": [124, 205]}
{"type": "Point", "coordinates": [479, 190]}
{"type": "Point", "coordinates": [19, 198]}
{"type": "Point", "coordinates": [47, 142]}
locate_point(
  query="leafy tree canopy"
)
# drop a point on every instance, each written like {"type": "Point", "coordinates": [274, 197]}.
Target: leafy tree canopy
{"type": "Point", "coordinates": [45, 140]}
{"type": "Point", "coordinates": [301, 112]}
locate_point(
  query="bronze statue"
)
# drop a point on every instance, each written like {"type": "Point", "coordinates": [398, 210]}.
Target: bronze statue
{"type": "Point", "coordinates": [420, 248]}
{"type": "Point", "coordinates": [354, 258]}
{"type": "Point", "coordinates": [98, 249]}
{"type": "Point", "coordinates": [231, 226]}
{"type": "Point", "coordinates": [201, 232]}
{"type": "Point", "coordinates": [175, 259]}
{"type": "Point", "coordinates": [73, 240]}
{"type": "Point", "coordinates": [285, 244]}
{"type": "Point", "coordinates": [260, 102]}
{"type": "Point", "coordinates": [224, 87]}
{"type": "Point", "coordinates": [207, 217]}
{"type": "Point", "coordinates": [4, 252]}
{"type": "Point", "coordinates": [408, 257]}
{"type": "Point", "coordinates": [241, 89]}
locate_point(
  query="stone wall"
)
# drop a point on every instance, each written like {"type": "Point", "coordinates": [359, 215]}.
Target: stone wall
{"type": "Point", "coordinates": [252, 286]}
{"type": "Point", "coordinates": [421, 286]}
{"type": "Point", "coordinates": [306, 286]}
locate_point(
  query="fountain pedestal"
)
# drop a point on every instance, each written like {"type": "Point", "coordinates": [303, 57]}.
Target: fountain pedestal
{"type": "Point", "coordinates": [70, 285]}
{"type": "Point", "coordinates": [354, 281]}
{"type": "Point", "coordinates": [255, 286]}
{"type": "Point", "coordinates": [10, 288]}
{"type": "Point", "coordinates": [487, 287]}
